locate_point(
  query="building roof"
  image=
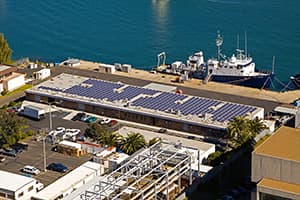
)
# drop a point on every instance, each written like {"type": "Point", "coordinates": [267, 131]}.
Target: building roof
{"type": "Point", "coordinates": [13, 76]}
{"type": "Point", "coordinates": [70, 144]}
{"type": "Point", "coordinates": [286, 110]}
{"type": "Point", "coordinates": [160, 87]}
{"type": "Point", "coordinates": [167, 105]}
{"type": "Point", "coordinates": [148, 135]}
{"type": "Point", "coordinates": [13, 182]}
{"type": "Point", "coordinates": [283, 144]}
{"type": "Point", "coordinates": [280, 186]}
{"type": "Point", "coordinates": [4, 69]}
{"type": "Point", "coordinates": [68, 181]}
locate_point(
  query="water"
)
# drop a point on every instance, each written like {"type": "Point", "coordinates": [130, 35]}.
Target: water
{"type": "Point", "coordinates": [136, 31]}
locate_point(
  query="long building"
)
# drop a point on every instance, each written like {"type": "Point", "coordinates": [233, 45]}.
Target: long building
{"type": "Point", "coordinates": [143, 105]}
{"type": "Point", "coordinates": [15, 186]}
{"type": "Point", "coordinates": [276, 166]}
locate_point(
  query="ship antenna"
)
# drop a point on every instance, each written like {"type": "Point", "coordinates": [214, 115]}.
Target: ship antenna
{"type": "Point", "coordinates": [273, 65]}
{"type": "Point", "coordinates": [246, 43]}
{"type": "Point", "coordinates": [219, 42]}
{"type": "Point", "coordinates": [238, 41]}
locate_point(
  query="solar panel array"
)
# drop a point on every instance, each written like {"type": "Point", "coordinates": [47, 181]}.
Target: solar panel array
{"type": "Point", "coordinates": [107, 90]}
{"type": "Point", "coordinates": [162, 101]}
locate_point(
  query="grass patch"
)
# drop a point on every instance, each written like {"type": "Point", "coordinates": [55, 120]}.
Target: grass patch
{"type": "Point", "coordinates": [20, 89]}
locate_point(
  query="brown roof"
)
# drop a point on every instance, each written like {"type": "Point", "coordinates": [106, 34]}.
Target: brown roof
{"type": "Point", "coordinates": [14, 75]}
{"type": "Point", "coordinates": [284, 144]}
{"type": "Point", "coordinates": [280, 186]}
{"type": "Point", "coordinates": [6, 69]}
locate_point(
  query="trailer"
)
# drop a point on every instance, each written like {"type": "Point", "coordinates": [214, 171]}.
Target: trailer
{"type": "Point", "coordinates": [42, 74]}
{"type": "Point", "coordinates": [33, 112]}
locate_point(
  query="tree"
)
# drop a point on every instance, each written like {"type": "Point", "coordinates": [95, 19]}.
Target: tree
{"type": "Point", "coordinates": [5, 51]}
{"type": "Point", "coordinates": [110, 139]}
{"type": "Point", "coordinates": [95, 130]}
{"type": "Point", "coordinates": [132, 143]}
{"type": "Point", "coordinates": [153, 141]}
{"type": "Point", "coordinates": [11, 128]}
{"type": "Point", "coordinates": [242, 129]}
{"type": "Point", "coordinates": [256, 126]}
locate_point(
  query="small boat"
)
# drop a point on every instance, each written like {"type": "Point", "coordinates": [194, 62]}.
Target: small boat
{"type": "Point", "coordinates": [296, 80]}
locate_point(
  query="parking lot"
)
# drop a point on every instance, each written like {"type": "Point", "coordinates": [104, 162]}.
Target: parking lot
{"type": "Point", "coordinates": [34, 156]}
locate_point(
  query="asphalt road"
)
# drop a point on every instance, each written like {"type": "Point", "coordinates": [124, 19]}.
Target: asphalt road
{"type": "Point", "coordinates": [34, 156]}
{"type": "Point", "coordinates": [267, 105]}
{"type": "Point", "coordinates": [57, 121]}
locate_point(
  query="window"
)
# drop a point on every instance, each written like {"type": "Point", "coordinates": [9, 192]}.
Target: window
{"type": "Point", "coordinates": [30, 188]}
{"type": "Point", "coordinates": [264, 196]}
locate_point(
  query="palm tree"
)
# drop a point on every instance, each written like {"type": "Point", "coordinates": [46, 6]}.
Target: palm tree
{"type": "Point", "coordinates": [132, 143]}
{"type": "Point", "coordinates": [110, 139]}
{"type": "Point", "coordinates": [154, 141]}
{"type": "Point", "coordinates": [256, 126]}
{"type": "Point", "coordinates": [242, 129]}
{"type": "Point", "coordinates": [236, 127]}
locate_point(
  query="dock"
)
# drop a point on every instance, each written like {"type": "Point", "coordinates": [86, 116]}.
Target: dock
{"type": "Point", "coordinates": [262, 94]}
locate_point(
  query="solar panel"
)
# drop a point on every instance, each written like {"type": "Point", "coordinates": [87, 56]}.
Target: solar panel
{"type": "Point", "coordinates": [162, 101]}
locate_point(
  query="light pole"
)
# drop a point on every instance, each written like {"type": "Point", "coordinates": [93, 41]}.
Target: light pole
{"type": "Point", "coordinates": [50, 128]}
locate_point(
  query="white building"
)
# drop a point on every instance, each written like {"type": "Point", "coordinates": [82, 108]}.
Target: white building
{"type": "Point", "coordinates": [110, 159]}
{"type": "Point", "coordinates": [70, 182]}
{"type": "Point", "coordinates": [18, 187]}
{"type": "Point", "coordinates": [9, 79]}
{"type": "Point", "coordinates": [42, 74]}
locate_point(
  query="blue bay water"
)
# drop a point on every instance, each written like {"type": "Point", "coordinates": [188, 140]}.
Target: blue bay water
{"type": "Point", "coordinates": [136, 31]}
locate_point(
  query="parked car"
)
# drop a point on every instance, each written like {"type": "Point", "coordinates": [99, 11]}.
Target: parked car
{"type": "Point", "coordinates": [2, 158]}
{"type": "Point", "coordinates": [71, 134]}
{"type": "Point", "coordinates": [162, 130]}
{"type": "Point", "coordinates": [112, 123]}
{"type": "Point", "coordinates": [9, 152]}
{"type": "Point", "coordinates": [60, 130]}
{"type": "Point", "coordinates": [91, 119]}
{"type": "Point", "coordinates": [84, 117]}
{"type": "Point", "coordinates": [31, 170]}
{"type": "Point", "coordinates": [78, 116]}
{"type": "Point", "coordinates": [59, 167]}
{"type": "Point", "coordinates": [105, 121]}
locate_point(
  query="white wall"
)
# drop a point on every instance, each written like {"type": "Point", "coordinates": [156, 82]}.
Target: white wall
{"type": "Point", "coordinates": [14, 83]}
{"type": "Point", "coordinates": [42, 74]}
{"type": "Point", "coordinates": [1, 87]}
{"type": "Point", "coordinates": [205, 154]}
{"type": "Point", "coordinates": [26, 194]}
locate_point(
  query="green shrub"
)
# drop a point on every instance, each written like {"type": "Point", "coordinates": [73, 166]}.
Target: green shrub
{"type": "Point", "coordinates": [214, 158]}
{"type": "Point", "coordinates": [12, 103]}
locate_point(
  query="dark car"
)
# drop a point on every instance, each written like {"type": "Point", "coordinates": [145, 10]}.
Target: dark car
{"type": "Point", "coordinates": [9, 152]}
{"type": "Point", "coordinates": [78, 116]}
{"type": "Point", "coordinates": [162, 130]}
{"type": "Point", "coordinates": [59, 167]}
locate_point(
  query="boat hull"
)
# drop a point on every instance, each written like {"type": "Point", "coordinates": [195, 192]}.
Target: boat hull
{"type": "Point", "coordinates": [296, 80]}
{"type": "Point", "coordinates": [261, 81]}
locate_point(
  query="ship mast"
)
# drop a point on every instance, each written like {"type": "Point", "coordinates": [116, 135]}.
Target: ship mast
{"type": "Point", "coordinates": [273, 65]}
{"type": "Point", "coordinates": [219, 42]}
{"type": "Point", "coordinates": [238, 42]}
{"type": "Point", "coordinates": [246, 43]}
